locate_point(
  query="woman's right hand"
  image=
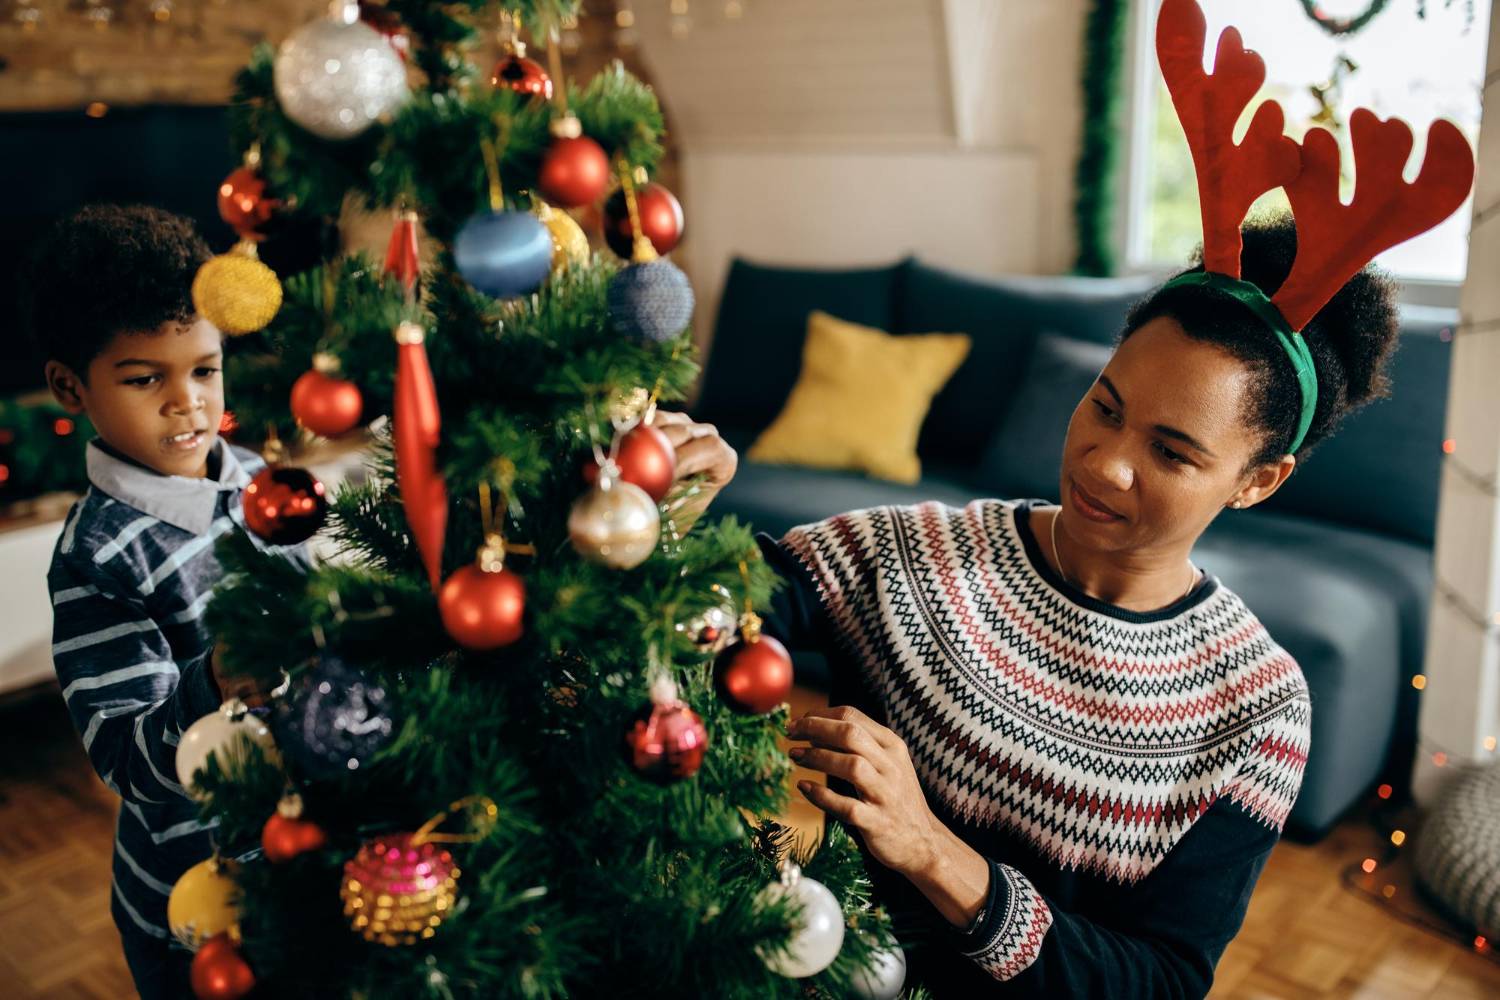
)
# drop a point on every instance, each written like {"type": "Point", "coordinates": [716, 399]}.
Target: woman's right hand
{"type": "Point", "coordinates": [700, 450]}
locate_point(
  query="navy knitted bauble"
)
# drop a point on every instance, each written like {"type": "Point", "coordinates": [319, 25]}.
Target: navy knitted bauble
{"type": "Point", "coordinates": [651, 301]}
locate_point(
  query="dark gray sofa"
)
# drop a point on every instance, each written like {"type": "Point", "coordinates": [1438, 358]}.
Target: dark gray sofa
{"type": "Point", "coordinates": [1337, 565]}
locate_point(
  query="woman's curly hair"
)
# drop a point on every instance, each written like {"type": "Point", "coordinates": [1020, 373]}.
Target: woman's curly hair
{"type": "Point", "coordinates": [104, 270]}
{"type": "Point", "coordinates": [1351, 339]}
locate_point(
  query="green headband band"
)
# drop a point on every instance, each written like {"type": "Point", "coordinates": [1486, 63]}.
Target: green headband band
{"type": "Point", "coordinates": [1296, 347]}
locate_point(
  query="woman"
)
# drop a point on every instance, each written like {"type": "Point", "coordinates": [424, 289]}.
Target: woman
{"type": "Point", "coordinates": [1068, 751]}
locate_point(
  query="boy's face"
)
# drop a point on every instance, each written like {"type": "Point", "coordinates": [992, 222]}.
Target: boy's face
{"type": "Point", "coordinates": [155, 397]}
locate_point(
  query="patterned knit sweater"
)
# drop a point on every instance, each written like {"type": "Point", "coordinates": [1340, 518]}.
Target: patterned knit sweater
{"type": "Point", "coordinates": [1125, 773]}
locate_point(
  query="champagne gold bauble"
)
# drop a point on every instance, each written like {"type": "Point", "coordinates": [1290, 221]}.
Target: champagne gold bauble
{"type": "Point", "coordinates": [236, 292]}
{"type": "Point", "coordinates": [204, 902]}
{"type": "Point", "coordinates": [220, 733]}
{"type": "Point", "coordinates": [569, 244]}
{"type": "Point", "coordinates": [615, 523]}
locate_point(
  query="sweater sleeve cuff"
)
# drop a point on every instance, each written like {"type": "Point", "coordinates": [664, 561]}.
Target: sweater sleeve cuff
{"type": "Point", "coordinates": [1006, 936]}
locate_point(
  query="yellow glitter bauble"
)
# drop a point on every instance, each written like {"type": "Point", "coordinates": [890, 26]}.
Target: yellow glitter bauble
{"type": "Point", "coordinates": [569, 244]}
{"type": "Point", "coordinates": [236, 292]}
{"type": "Point", "coordinates": [204, 902]}
{"type": "Point", "coordinates": [397, 890]}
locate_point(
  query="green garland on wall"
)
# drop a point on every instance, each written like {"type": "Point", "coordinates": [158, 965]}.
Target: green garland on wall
{"type": "Point", "coordinates": [1098, 156]}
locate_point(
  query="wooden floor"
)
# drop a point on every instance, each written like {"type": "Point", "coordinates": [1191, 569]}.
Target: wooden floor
{"type": "Point", "coordinates": [1306, 935]}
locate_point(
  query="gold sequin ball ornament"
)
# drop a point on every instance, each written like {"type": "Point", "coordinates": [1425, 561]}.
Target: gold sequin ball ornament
{"type": "Point", "coordinates": [399, 888]}
{"type": "Point", "coordinates": [236, 292]}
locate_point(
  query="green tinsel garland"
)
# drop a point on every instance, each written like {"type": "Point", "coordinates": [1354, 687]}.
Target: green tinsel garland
{"type": "Point", "coordinates": [1094, 201]}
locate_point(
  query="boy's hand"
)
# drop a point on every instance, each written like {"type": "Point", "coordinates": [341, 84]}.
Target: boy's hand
{"type": "Point", "coordinates": [699, 450]}
{"type": "Point", "coordinates": [250, 690]}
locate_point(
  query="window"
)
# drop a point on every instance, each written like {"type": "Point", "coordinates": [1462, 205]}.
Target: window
{"type": "Point", "coordinates": [1417, 60]}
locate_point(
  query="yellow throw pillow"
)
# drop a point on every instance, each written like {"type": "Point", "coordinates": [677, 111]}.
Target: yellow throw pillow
{"type": "Point", "coordinates": [861, 399]}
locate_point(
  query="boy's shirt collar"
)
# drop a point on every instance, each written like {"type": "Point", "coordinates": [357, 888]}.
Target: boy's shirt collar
{"type": "Point", "coordinates": [183, 502]}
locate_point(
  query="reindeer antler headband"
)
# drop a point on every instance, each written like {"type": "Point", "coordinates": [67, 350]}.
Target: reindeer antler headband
{"type": "Point", "coordinates": [1334, 240]}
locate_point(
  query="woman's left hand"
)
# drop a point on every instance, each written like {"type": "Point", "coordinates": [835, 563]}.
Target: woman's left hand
{"type": "Point", "coordinates": [891, 812]}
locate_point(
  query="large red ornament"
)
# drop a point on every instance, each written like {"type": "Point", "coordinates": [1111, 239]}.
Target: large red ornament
{"type": "Point", "coordinates": [661, 220]}
{"type": "Point", "coordinates": [220, 972]}
{"type": "Point", "coordinates": [524, 76]}
{"type": "Point", "coordinates": [483, 609]}
{"type": "Point", "coordinates": [574, 172]}
{"type": "Point", "coordinates": [286, 834]}
{"type": "Point", "coordinates": [244, 205]}
{"type": "Point", "coordinates": [646, 458]}
{"type": "Point", "coordinates": [284, 505]}
{"type": "Point", "coordinates": [326, 405]}
{"type": "Point", "coordinates": [754, 676]}
{"type": "Point", "coordinates": [666, 741]}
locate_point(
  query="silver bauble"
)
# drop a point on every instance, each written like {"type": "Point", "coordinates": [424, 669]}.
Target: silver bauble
{"type": "Point", "coordinates": [883, 978]}
{"type": "Point", "coordinates": [336, 78]}
{"type": "Point", "coordinates": [219, 733]}
{"type": "Point", "coordinates": [819, 932]}
{"type": "Point", "coordinates": [615, 523]}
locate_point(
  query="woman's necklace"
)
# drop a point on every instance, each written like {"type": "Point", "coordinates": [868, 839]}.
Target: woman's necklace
{"type": "Point", "coordinates": [1057, 556]}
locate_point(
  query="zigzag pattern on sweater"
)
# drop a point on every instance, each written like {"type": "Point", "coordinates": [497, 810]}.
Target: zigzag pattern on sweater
{"type": "Point", "coordinates": [1019, 931]}
{"type": "Point", "coordinates": [1098, 740]}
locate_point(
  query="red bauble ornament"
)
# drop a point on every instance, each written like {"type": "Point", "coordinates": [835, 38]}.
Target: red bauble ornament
{"type": "Point", "coordinates": [286, 834]}
{"type": "Point", "coordinates": [284, 505]}
{"type": "Point", "coordinates": [220, 972]}
{"type": "Point", "coordinates": [483, 609]}
{"type": "Point", "coordinates": [388, 23]}
{"type": "Point", "coordinates": [661, 220]}
{"type": "Point", "coordinates": [575, 172]}
{"type": "Point", "coordinates": [326, 405]}
{"type": "Point", "coordinates": [243, 203]}
{"type": "Point", "coordinates": [666, 740]}
{"type": "Point", "coordinates": [753, 676]}
{"type": "Point", "coordinates": [524, 76]}
{"type": "Point", "coordinates": [646, 458]}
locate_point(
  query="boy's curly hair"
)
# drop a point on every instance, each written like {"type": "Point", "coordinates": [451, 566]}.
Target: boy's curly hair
{"type": "Point", "coordinates": [108, 269]}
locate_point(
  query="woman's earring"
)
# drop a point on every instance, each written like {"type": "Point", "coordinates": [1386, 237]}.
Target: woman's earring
{"type": "Point", "coordinates": [1235, 504]}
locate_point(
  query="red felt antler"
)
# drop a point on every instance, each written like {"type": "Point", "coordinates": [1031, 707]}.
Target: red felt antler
{"type": "Point", "coordinates": [1230, 177]}
{"type": "Point", "coordinates": [1335, 240]}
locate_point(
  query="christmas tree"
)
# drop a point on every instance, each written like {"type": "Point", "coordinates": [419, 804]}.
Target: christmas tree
{"type": "Point", "coordinates": [527, 737]}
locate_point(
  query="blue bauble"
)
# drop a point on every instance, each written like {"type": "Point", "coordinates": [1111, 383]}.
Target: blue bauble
{"type": "Point", "coordinates": [651, 301]}
{"type": "Point", "coordinates": [504, 254]}
{"type": "Point", "coordinates": [333, 720]}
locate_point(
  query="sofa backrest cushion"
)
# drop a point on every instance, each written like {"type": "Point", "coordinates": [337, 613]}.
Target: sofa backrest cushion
{"type": "Point", "coordinates": [1382, 469]}
{"type": "Point", "coordinates": [1024, 459]}
{"type": "Point", "coordinates": [756, 351]}
{"type": "Point", "coordinates": [1004, 317]}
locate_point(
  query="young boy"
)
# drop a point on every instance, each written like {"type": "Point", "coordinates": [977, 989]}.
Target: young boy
{"type": "Point", "coordinates": [111, 311]}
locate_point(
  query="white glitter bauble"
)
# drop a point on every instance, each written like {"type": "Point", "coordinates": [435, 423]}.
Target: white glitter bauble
{"type": "Point", "coordinates": [336, 78]}
{"type": "Point", "coordinates": [883, 978]}
{"type": "Point", "coordinates": [819, 932]}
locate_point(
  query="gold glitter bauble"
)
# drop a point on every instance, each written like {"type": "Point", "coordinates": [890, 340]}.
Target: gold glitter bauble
{"type": "Point", "coordinates": [236, 292]}
{"type": "Point", "coordinates": [204, 902]}
{"type": "Point", "coordinates": [397, 891]}
{"type": "Point", "coordinates": [617, 525]}
{"type": "Point", "coordinates": [569, 244]}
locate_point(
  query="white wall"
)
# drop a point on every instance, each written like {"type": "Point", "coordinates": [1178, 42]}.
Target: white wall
{"type": "Point", "coordinates": [1460, 717]}
{"type": "Point", "coordinates": [856, 131]}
